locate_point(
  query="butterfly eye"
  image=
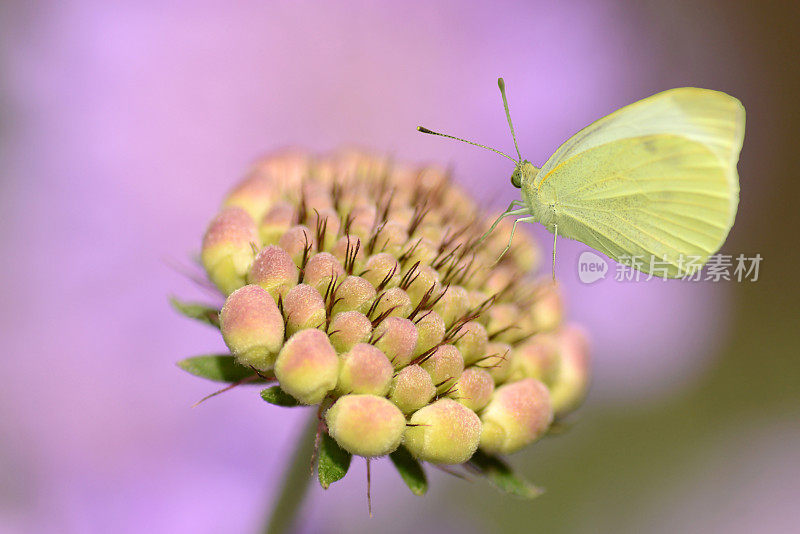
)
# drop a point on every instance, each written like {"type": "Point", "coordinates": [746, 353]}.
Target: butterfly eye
{"type": "Point", "coordinates": [516, 178]}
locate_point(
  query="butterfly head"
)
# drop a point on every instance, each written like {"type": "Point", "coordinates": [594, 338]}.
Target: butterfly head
{"type": "Point", "coordinates": [523, 173]}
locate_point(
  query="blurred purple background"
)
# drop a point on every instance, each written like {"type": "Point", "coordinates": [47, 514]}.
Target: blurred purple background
{"type": "Point", "coordinates": [123, 125]}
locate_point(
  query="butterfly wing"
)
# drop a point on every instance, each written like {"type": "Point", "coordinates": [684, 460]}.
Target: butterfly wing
{"type": "Point", "coordinates": [656, 179]}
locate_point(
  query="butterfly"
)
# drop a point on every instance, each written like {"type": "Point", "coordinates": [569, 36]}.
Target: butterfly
{"type": "Point", "coordinates": [653, 185]}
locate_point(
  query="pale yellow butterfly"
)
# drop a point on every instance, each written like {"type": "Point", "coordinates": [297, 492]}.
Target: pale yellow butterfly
{"type": "Point", "coordinates": [653, 185]}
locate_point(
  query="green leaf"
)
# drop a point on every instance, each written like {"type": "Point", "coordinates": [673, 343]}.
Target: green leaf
{"type": "Point", "coordinates": [499, 475]}
{"type": "Point", "coordinates": [333, 461]}
{"type": "Point", "coordinates": [410, 470]}
{"type": "Point", "coordinates": [193, 310]}
{"type": "Point", "coordinates": [275, 395]}
{"type": "Point", "coordinates": [217, 367]}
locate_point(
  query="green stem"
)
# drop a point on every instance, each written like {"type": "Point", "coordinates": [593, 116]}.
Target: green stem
{"type": "Point", "coordinates": [295, 482]}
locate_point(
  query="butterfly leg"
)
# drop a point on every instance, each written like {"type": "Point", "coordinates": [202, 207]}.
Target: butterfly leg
{"type": "Point", "coordinates": [506, 213]}
{"type": "Point", "coordinates": [555, 238]}
{"type": "Point", "coordinates": [511, 237]}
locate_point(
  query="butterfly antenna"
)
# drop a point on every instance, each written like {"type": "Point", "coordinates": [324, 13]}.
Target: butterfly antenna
{"type": "Point", "coordinates": [502, 85]}
{"type": "Point", "coordinates": [427, 131]}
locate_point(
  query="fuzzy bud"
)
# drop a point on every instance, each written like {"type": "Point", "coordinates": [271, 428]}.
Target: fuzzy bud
{"type": "Point", "coordinates": [303, 308]}
{"type": "Point", "coordinates": [254, 195]}
{"type": "Point", "coordinates": [518, 414]}
{"type": "Point", "coordinates": [307, 367]}
{"type": "Point", "coordinates": [445, 366]}
{"type": "Point", "coordinates": [321, 269]}
{"type": "Point", "coordinates": [382, 271]}
{"type": "Point", "coordinates": [295, 241]}
{"type": "Point", "coordinates": [547, 310]}
{"type": "Point", "coordinates": [354, 294]}
{"type": "Point", "coordinates": [275, 222]}
{"type": "Point", "coordinates": [424, 278]}
{"type": "Point", "coordinates": [430, 332]}
{"type": "Point", "coordinates": [366, 425]}
{"type": "Point", "coordinates": [348, 329]}
{"type": "Point", "coordinates": [497, 361]}
{"type": "Point", "coordinates": [537, 358]}
{"type": "Point", "coordinates": [453, 305]}
{"type": "Point", "coordinates": [273, 270]}
{"type": "Point", "coordinates": [471, 341]}
{"type": "Point", "coordinates": [396, 337]}
{"type": "Point", "coordinates": [252, 327]}
{"type": "Point", "coordinates": [227, 249]}
{"type": "Point", "coordinates": [572, 382]}
{"type": "Point", "coordinates": [412, 388]}
{"type": "Point", "coordinates": [393, 301]}
{"type": "Point", "coordinates": [349, 250]}
{"type": "Point", "coordinates": [365, 370]}
{"type": "Point", "coordinates": [473, 389]}
{"type": "Point", "coordinates": [444, 432]}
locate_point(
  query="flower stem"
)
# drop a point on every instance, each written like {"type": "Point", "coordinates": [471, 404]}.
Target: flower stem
{"type": "Point", "coordinates": [295, 482]}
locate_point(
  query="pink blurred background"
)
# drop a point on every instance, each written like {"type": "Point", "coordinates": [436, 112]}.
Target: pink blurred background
{"type": "Point", "coordinates": [121, 127]}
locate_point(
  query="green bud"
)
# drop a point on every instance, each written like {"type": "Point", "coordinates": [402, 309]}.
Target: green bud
{"type": "Point", "coordinates": [227, 252]}
{"type": "Point", "coordinates": [473, 389]}
{"type": "Point", "coordinates": [430, 332]}
{"type": "Point", "coordinates": [391, 238]}
{"type": "Point", "coordinates": [445, 366]}
{"type": "Point", "coordinates": [295, 240]}
{"type": "Point", "coordinates": [518, 414]}
{"type": "Point", "coordinates": [365, 370]}
{"type": "Point", "coordinates": [366, 425]}
{"type": "Point", "coordinates": [330, 220]}
{"type": "Point", "coordinates": [424, 278]}
{"type": "Point", "coordinates": [498, 361]}
{"type": "Point", "coordinates": [348, 329]}
{"type": "Point", "coordinates": [321, 269]}
{"type": "Point", "coordinates": [275, 222]}
{"type": "Point", "coordinates": [362, 219]}
{"type": "Point", "coordinates": [471, 341]}
{"type": "Point", "coordinates": [412, 388]}
{"type": "Point", "coordinates": [453, 305]}
{"type": "Point", "coordinates": [252, 327]}
{"type": "Point", "coordinates": [307, 367]}
{"type": "Point", "coordinates": [444, 432]}
{"type": "Point", "coordinates": [421, 250]}
{"type": "Point", "coordinates": [502, 323]}
{"type": "Point", "coordinates": [303, 308]}
{"type": "Point", "coordinates": [396, 337]}
{"type": "Point", "coordinates": [254, 195]}
{"type": "Point", "coordinates": [349, 250]}
{"type": "Point", "coordinates": [547, 310]}
{"type": "Point", "coordinates": [536, 358]}
{"type": "Point", "coordinates": [273, 270]}
{"type": "Point", "coordinates": [382, 270]}
{"type": "Point", "coordinates": [354, 294]}
{"type": "Point", "coordinates": [395, 301]}
{"type": "Point", "coordinates": [572, 382]}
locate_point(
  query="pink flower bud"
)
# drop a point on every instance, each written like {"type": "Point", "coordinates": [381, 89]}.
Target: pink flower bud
{"type": "Point", "coordinates": [471, 341]}
{"type": "Point", "coordinates": [396, 337]}
{"type": "Point", "coordinates": [503, 323]}
{"type": "Point", "coordinates": [295, 241]}
{"type": "Point", "coordinates": [473, 389]}
{"type": "Point", "coordinates": [547, 310]}
{"type": "Point", "coordinates": [497, 361]}
{"type": "Point", "coordinates": [393, 301]}
{"type": "Point", "coordinates": [444, 432]}
{"type": "Point", "coordinates": [255, 195]}
{"type": "Point", "coordinates": [348, 329]}
{"type": "Point", "coordinates": [303, 308]}
{"type": "Point", "coordinates": [252, 327]}
{"type": "Point", "coordinates": [453, 305]}
{"type": "Point", "coordinates": [328, 220]}
{"type": "Point", "coordinates": [365, 370]}
{"type": "Point", "coordinates": [275, 222]}
{"type": "Point", "coordinates": [321, 269]}
{"type": "Point", "coordinates": [354, 294]}
{"type": "Point", "coordinates": [349, 250]}
{"type": "Point", "coordinates": [227, 250]}
{"type": "Point", "coordinates": [423, 279]}
{"type": "Point", "coordinates": [518, 414]}
{"type": "Point", "coordinates": [445, 366]}
{"type": "Point", "coordinates": [382, 271]}
{"type": "Point", "coordinates": [307, 367]}
{"type": "Point", "coordinates": [536, 358]}
{"type": "Point", "coordinates": [430, 332]}
{"type": "Point", "coordinates": [273, 270]}
{"type": "Point", "coordinates": [572, 381]}
{"type": "Point", "coordinates": [412, 388]}
{"type": "Point", "coordinates": [366, 425]}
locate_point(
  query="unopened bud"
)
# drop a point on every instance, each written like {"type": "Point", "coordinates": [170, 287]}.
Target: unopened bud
{"type": "Point", "coordinates": [396, 337]}
{"type": "Point", "coordinates": [518, 414]}
{"type": "Point", "coordinates": [303, 308]}
{"type": "Point", "coordinates": [473, 389]}
{"type": "Point", "coordinates": [252, 327]}
{"type": "Point", "coordinates": [295, 241]}
{"type": "Point", "coordinates": [497, 361]}
{"type": "Point", "coordinates": [471, 341]}
{"type": "Point", "coordinates": [430, 332]}
{"type": "Point", "coordinates": [536, 358]}
{"type": "Point", "coordinates": [412, 388]}
{"type": "Point", "coordinates": [453, 305]}
{"type": "Point", "coordinates": [273, 270]}
{"type": "Point", "coordinates": [547, 310]}
{"type": "Point", "coordinates": [393, 301]}
{"type": "Point", "coordinates": [349, 250]}
{"type": "Point", "coordinates": [423, 279]}
{"type": "Point", "coordinates": [254, 195]}
{"type": "Point", "coordinates": [365, 369]}
{"type": "Point", "coordinates": [570, 386]}
{"type": "Point", "coordinates": [354, 294]}
{"type": "Point", "coordinates": [307, 367]}
{"type": "Point", "coordinates": [382, 271]}
{"type": "Point", "coordinates": [348, 329]}
{"type": "Point", "coordinates": [445, 366]}
{"type": "Point", "coordinates": [227, 250]}
{"type": "Point", "coordinates": [322, 268]}
{"type": "Point", "coordinates": [366, 425]}
{"type": "Point", "coordinates": [275, 222]}
{"type": "Point", "coordinates": [444, 432]}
